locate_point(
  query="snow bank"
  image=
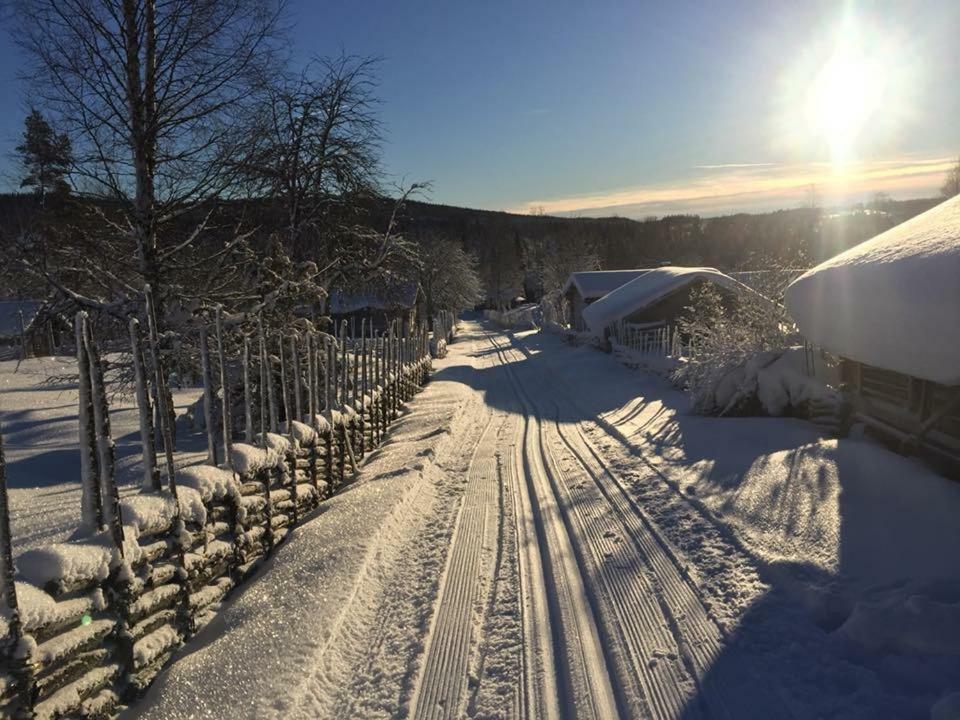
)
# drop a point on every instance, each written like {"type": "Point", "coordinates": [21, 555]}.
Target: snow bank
{"type": "Point", "coordinates": [893, 301]}
{"type": "Point", "coordinates": [648, 288]}
{"type": "Point", "coordinates": [906, 624]}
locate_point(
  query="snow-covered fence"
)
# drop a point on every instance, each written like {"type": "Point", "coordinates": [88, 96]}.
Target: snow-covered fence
{"type": "Point", "coordinates": [86, 624]}
{"type": "Point", "coordinates": [523, 317]}
{"type": "Point", "coordinates": [645, 339]}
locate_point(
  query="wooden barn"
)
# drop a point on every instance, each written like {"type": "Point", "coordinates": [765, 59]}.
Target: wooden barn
{"type": "Point", "coordinates": [651, 304]}
{"type": "Point", "coordinates": [889, 308]}
{"type": "Point", "coordinates": [586, 287]}
{"type": "Point", "coordinates": [380, 304]}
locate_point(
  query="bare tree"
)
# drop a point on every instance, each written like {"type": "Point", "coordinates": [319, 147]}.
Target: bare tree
{"type": "Point", "coordinates": [314, 142]}
{"type": "Point", "coordinates": [951, 184]}
{"type": "Point", "coordinates": [151, 95]}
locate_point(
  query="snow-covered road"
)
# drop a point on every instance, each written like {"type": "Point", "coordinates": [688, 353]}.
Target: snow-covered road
{"type": "Point", "coordinates": [519, 550]}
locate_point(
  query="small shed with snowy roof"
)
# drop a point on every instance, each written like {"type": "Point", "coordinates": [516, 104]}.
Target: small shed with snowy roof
{"type": "Point", "coordinates": [379, 303]}
{"type": "Point", "coordinates": [890, 309]}
{"type": "Point", "coordinates": [16, 317]}
{"type": "Point", "coordinates": [657, 298]}
{"type": "Point", "coordinates": [585, 287]}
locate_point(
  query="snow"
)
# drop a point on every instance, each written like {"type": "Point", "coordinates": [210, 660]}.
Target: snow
{"type": "Point", "coordinates": [38, 416]}
{"type": "Point", "coordinates": [892, 302]}
{"type": "Point", "coordinates": [295, 640]}
{"type": "Point", "coordinates": [302, 433]}
{"type": "Point", "coordinates": [593, 284]}
{"type": "Point", "coordinates": [643, 291]}
{"type": "Point", "coordinates": [248, 460]}
{"type": "Point", "coordinates": [74, 563]}
{"type": "Point", "coordinates": [850, 532]}
{"type": "Point", "coordinates": [212, 483]}
{"type": "Point", "coordinates": [38, 609]}
{"type": "Point", "coordinates": [151, 513]}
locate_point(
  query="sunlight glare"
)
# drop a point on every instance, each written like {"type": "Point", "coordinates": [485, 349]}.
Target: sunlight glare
{"type": "Point", "coordinates": [848, 94]}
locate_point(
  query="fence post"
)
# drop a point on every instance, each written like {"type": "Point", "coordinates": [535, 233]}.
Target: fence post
{"type": "Point", "coordinates": [264, 380]}
{"type": "Point", "coordinates": [226, 400]}
{"type": "Point", "coordinates": [161, 390]}
{"type": "Point", "coordinates": [109, 496]}
{"type": "Point", "coordinates": [151, 473]}
{"type": "Point", "coordinates": [207, 396]}
{"type": "Point", "coordinates": [23, 335]}
{"type": "Point", "coordinates": [91, 503]}
{"type": "Point", "coordinates": [247, 394]}
{"type": "Point", "coordinates": [295, 355]}
{"type": "Point", "coordinates": [311, 380]}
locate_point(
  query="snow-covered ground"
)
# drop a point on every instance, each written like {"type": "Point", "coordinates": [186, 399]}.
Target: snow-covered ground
{"type": "Point", "coordinates": [39, 423]}
{"type": "Point", "coordinates": [550, 534]}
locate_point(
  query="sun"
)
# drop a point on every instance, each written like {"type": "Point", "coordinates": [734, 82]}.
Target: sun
{"type": "Point", "coordinates": [847, 92]}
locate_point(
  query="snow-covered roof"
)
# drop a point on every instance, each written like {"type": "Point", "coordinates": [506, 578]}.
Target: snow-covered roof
{"type": "Point", "coordinates": [10, 319]}
{"type": "Point", "coordinates": [648, 288]}
{"type": "Point", "coordinates": [893, 301]}
{"type": "Point", "coordinates": [592, 284]}
{"type": "Point", "coordinates": [379, 298]}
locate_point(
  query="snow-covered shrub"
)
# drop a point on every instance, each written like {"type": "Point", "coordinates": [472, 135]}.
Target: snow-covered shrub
{"type": "Point", "coordinates": [725, 345]}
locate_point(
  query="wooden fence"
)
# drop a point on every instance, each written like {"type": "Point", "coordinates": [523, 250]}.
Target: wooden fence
{"type": "Point", "coordinates": [87, 624]}
{"type": "Point", "coordinates": [655, 339]}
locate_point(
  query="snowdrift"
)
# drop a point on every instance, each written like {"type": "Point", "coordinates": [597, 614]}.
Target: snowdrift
{"type": "Point", "coordinates": [892, 302]}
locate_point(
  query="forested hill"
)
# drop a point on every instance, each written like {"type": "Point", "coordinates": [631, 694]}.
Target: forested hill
{"type": "Point", "coordinates": [532, 254]}
{"type": "Point", "coordinates": [522, 250]}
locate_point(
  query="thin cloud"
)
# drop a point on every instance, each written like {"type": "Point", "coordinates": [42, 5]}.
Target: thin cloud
{"type": "Point", "coordinates": [746, 185]}
{"type": "Point", "coordinates": [724, 166]}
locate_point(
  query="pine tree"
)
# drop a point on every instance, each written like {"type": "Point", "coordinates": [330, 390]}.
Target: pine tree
{"type": "Point", "coordinates": [46, 157]}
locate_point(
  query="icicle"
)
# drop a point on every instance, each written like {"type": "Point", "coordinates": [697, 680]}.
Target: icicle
{"type": "Point", "coordinates": [91, 503]}
{"type": "Point", "coordinates": [151, 473]}
{"type": "Point", "coordinates": [208, 397]}
{"type": "Point", "coordinates": [226, 403]}
{"type": "Point", "coordinates": [110, 497]}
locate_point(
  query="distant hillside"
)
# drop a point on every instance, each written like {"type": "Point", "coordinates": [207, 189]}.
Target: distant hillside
{"type": "Point", "coordinates": [529, 253]}
{"type": "Point", "coordinates": [513, 249]}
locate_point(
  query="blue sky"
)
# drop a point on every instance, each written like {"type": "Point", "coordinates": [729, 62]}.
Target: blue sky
{"type": "Point", "coordinates": [637, 108]}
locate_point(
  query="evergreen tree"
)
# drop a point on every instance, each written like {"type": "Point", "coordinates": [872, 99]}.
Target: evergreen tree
{"type": "Point", "coordinates": [46, 157]}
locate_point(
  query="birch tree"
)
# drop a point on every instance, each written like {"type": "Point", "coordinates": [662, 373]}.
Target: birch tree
{"type": "Point", "coordinates": [151, 94]}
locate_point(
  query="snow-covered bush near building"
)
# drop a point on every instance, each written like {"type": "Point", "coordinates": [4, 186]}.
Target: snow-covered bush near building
{"type": "Point", "coordinates": [742, 360]}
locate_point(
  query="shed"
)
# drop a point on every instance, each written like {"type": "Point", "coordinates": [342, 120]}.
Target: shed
{"type": "Point", "coordinates": [379, 303]}
{"type": "Point", "coordinates": [10, 318]}
{"type": "Point", "coordinates": [585, 287]}
{"type": "Point", "coordinates": [889, 308]}
{"type": "Point", "coordinates": [655, 300]}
